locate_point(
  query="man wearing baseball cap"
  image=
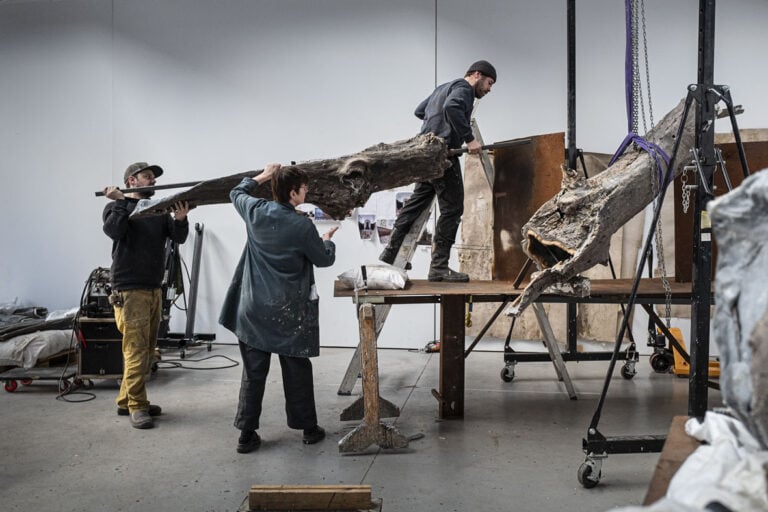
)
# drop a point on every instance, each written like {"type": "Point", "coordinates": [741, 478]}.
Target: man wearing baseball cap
{"type": "Point", "coordinates": [138, 264]}
{"type": "Point", "coordinates": [446, 113]}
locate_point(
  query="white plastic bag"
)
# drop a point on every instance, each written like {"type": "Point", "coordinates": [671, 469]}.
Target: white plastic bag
{"type": "Point", "coordinates": [377, 277]}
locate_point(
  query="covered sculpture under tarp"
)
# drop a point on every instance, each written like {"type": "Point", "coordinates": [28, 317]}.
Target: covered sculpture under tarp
{"type": "Point", "coordinates": [740, 227]}
{"type": "Point", "coordinates": [730, 471]}
{"type": "Point", "coordinates": [32, 333]}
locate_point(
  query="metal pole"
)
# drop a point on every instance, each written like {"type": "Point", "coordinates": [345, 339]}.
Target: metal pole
{"type": "Point", "coordinates": [571, 152]}
{"type": "Point", "coordinates": [189, 333]}
{"type": "Point", "coordinates": [702, 237]}
{"type": "Point", "coordinates": [153, 187]}
{"type": "Point", "coordinates": [571, 107]}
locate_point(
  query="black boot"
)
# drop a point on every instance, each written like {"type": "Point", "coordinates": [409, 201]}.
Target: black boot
{"type": "Point", "coordinates": [439, 271]}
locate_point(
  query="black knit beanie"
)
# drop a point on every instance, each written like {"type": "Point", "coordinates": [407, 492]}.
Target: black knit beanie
{"type": "Point", "coordinates": [484, 67]}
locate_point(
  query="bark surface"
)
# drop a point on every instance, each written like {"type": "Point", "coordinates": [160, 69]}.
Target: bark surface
{"type": "Point", "coordinates": [336, 185]}
{"type": "Point", "coordinates": [572, 231]}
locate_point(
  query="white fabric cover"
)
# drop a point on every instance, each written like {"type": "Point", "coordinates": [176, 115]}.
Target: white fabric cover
{"type": "Point", "coordinates": [25, 350]}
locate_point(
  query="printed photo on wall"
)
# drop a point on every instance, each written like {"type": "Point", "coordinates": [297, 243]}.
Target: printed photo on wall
{"type": "Point", "coordinates": [320, 215]}
{"type": "Point", "coordinates": [366, 223]}
{"type": "Point", "coordinates": [426, 238]}
{"type": "Point", "coordinates": [306, 210]}
{"type": "Point", "coordinates": [400, 199]}
{"type": "Point", "coordinates": [429, 229]}
{"type": "Point", "coordinates": [384, 229]}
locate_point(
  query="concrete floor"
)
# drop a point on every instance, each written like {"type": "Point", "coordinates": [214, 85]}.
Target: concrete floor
{"type": "Point", "coordinates": [518, 447]}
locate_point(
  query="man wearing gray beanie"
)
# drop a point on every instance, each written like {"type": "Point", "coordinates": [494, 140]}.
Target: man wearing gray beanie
{"type": "Point", "coordinates": [446, 113]}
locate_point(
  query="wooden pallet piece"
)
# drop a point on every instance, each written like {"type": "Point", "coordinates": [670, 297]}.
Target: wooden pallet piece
{"type": "Point", "coordinates": [309, 497]}
{"type": "Point", "coordinates": [677, 448]}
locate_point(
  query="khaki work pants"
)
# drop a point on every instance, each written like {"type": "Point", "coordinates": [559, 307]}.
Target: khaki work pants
{"type": "Point", "coordinates": [138, 320]}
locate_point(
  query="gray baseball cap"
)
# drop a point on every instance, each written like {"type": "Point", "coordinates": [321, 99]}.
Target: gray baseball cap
{"type": "Point", "coordinates": [136, 168]}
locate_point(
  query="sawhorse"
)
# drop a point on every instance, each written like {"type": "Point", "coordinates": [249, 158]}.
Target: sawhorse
{"type": "Point", "coordinates": [370, 407]}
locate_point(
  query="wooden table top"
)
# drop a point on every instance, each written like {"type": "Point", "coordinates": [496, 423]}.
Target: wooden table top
{"type": "Point", "coordinates": [608, 291]}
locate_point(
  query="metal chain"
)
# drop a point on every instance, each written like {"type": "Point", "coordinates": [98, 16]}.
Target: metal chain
{"type": "Point", "coordinates": [686, 191]}
{"type": "Point", "coordinates": [660, 242]}
{"type": "Point", "coordinates": [636, 90]}
{"type": "Point", "coordinates": [639, 23]}
{"type": "Point", "coordinates": [647, 67]}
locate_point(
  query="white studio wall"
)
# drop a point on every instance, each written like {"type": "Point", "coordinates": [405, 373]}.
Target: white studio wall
{"type": "Point", "coordinates": [207, 89]}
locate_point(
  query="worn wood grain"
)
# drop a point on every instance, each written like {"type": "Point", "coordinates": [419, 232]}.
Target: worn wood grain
{"type": "Point", "coordinates": [309, 497]}
{"type": "Point", "coordinates": [336, 185]}
{"type": "Point", "coordinates": [677, 448]}
{"type": "Point", "coordinates": [571, 232]}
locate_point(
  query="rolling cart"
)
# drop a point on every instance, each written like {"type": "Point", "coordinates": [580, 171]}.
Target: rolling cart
{"type": "Point", "coordinates": [65, 375]}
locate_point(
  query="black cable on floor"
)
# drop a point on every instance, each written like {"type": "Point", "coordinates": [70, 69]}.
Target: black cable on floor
{"type": "Point", "coordinates": [177, 363]}
{"type": "Point", "coordinates": [69, 388]}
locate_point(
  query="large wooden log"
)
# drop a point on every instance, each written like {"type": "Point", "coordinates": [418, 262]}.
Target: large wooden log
{"type": "Point", "coordinates": [572, 231]}
{"type": "Point", "coordinates": [336, 185]}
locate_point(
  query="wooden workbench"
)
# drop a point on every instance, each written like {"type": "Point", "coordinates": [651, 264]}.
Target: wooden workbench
{"type": "Point", "coordinates": [453, 296]}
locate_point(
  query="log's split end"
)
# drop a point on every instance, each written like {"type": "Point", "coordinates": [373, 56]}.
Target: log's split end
{"type": "Point", "coordinates": [546, 253]}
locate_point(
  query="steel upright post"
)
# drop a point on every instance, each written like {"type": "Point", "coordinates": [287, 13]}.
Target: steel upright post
{"type": "Point", "coordinates": [702, 238]}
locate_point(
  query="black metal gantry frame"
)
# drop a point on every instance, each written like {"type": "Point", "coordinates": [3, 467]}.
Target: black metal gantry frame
{"type": "Point", "coordinates": [189, 336]}
{"type": "Point", "coordinates": [706, 95]}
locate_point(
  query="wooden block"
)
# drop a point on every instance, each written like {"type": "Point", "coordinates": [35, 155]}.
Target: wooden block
{"type": "Point", "coordinates": [309, 497]}
{"type": "Point", "coordinates": [677, 448]}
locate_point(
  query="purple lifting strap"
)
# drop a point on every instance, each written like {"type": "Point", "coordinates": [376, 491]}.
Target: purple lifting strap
{"type": "Point", "coordinates": [629, 65]}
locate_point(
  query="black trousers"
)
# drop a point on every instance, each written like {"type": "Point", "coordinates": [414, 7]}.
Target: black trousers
{"type": "Point", "coordinates": [298, 387]}
{"type": "Point", "coordinates": [450, 198]}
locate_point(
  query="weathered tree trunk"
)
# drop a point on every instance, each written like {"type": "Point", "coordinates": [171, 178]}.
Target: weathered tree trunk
{"type": "Point", "coordinates": [335, 185]}
{"type": "Point", "coordinates": [572, 232]}
{"type": "Point", "coordinates": [740, 226]}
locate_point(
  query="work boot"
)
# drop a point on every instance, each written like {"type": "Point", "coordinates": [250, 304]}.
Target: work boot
{"type": "Point", "coordinates": [438, 269]}
{"type": "Point", "coordinates": [141, 419]}
{"type": "Point", "coordinates": [447, 275]}
{"type": "Point", "coordinates": [248, 441]}
{"type": "Point", "coordinates": [313, 435]}
{"type": "Point", "coordinates": [154, 410]}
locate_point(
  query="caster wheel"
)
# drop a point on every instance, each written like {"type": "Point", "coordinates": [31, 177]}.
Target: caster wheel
{"type": "Point", "coordinates": [660, 362]}
{"type": "Point", "coordinates": [628, 372]}
{"type": "Point", "coordinates": [585, 476]}
{"type": "Point", "coordinates": [26, 382]}
{"type": "Point", "coordinates": [11, 385]}
{"type": "Point", "coordinates": [507, 373]}
{"type": "Point", "coordinates": [88, 384]}
{"type": "Point", "coordinates": [64, 385]}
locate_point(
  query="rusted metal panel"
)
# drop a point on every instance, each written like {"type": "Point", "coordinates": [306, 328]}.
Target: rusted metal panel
{"type": "Point", "coordinates": [526, 177]}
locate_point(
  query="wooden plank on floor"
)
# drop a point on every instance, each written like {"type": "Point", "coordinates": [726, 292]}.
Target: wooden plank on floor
{"type": "Point", "coordinates": [309, 497]}
{"type": "Point", "coordinates": [677, 448]}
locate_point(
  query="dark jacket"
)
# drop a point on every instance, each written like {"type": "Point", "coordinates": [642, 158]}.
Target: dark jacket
{"type": "Point", "coordinates": [138, 245]}
{"type": "Point", "coordinates": [272, 302]}
{"type": "Point", "coordinates": [447, 113]}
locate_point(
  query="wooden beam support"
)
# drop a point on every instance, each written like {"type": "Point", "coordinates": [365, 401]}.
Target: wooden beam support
{"type": "Point", "coordinates": [452, 332]}
{"type": "Point", "coordinates": [371, 430]}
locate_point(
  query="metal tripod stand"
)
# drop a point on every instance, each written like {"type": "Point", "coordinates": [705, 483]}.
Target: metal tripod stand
{"type": "Point", "coordinates": [704, 156]}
